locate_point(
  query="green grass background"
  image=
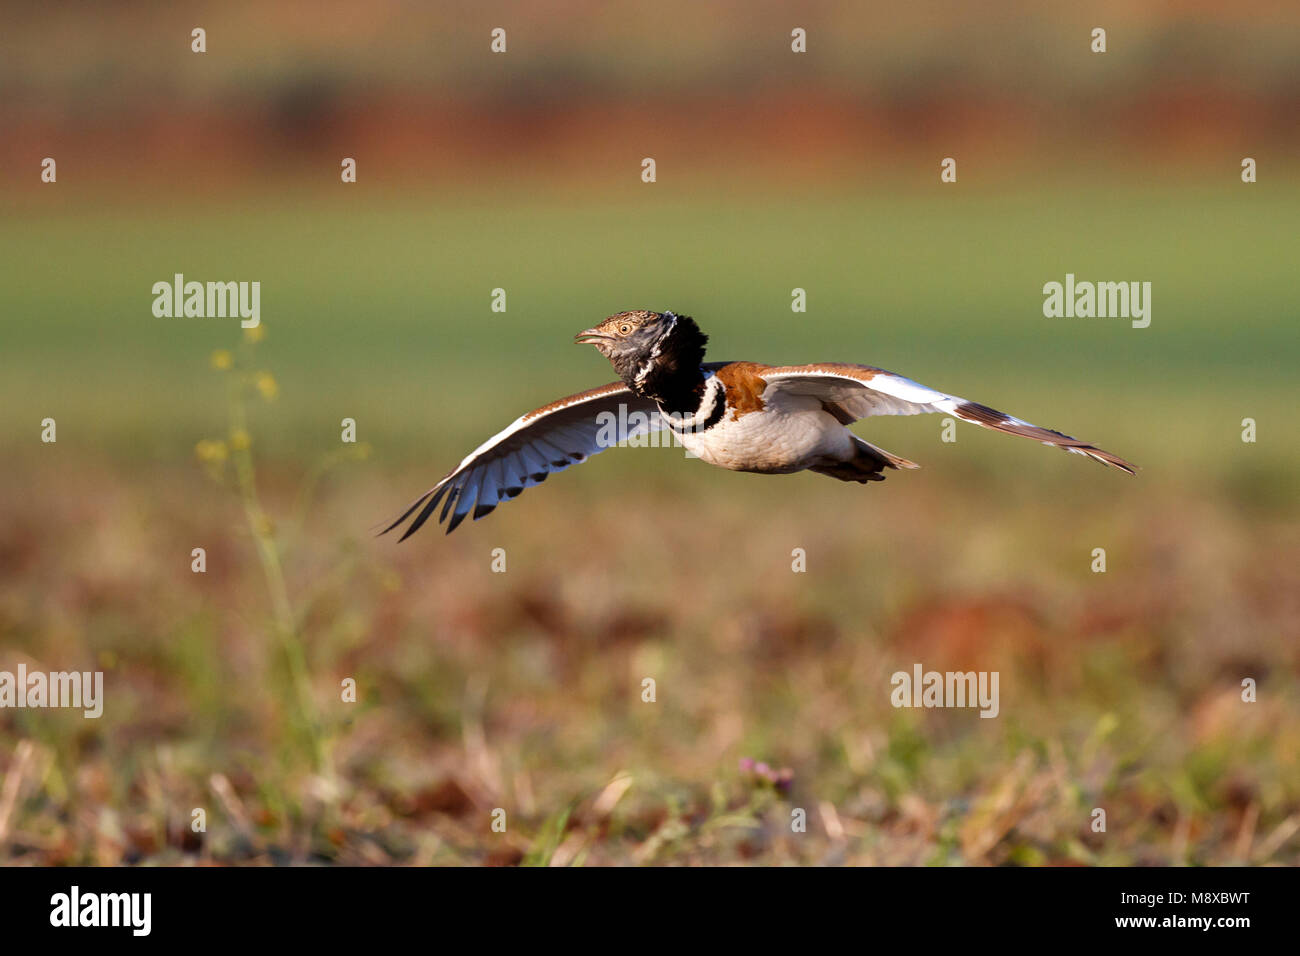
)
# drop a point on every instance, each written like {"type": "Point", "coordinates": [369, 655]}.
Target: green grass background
{"type": "Point", "coordinates": [377, 306]}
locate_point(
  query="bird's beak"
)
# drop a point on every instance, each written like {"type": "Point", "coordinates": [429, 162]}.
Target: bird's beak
{"type": "Point", "coordinates": [589, 337]}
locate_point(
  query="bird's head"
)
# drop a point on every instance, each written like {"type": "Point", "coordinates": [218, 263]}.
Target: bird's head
{"type": "Point", "coordinates": [644, 346]}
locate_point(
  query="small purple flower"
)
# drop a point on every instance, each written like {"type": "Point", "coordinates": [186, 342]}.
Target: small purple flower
{"type": "Point", "coordinates": [782, 779]}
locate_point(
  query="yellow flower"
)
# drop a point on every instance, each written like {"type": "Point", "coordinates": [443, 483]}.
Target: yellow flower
{"type": "Point", "coordinates": [211, 451]}
{"type": "Point", "coordinates": [267, 385]}
{"type": "Point", "coordinates": [254, 334]}
{"type": "Point", "coordinates": [239, 439]}
{"type": "Point", "coordinates": [222, 360]}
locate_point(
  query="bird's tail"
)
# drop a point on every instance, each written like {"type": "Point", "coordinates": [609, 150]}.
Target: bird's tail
{"type": "Point", "coordinates": [867, 465]}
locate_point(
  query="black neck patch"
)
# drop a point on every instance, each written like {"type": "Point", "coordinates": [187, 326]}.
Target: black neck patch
{"type": "Point", "coordinates": [674, 378]}
{"type": "Point", "coordinates": [674, 418]}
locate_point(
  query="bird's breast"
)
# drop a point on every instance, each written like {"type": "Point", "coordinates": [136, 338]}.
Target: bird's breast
{"type": "Point", "coordinates": [780, 436]}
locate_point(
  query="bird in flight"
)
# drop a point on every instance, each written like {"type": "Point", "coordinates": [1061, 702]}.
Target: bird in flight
{"type": "Point", "coordinates": [769, 419]}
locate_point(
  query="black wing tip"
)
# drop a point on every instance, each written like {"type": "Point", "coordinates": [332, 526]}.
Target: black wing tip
{"type": "Point", "coordinates": [407, 513]}
{"type": "Point", "coordinates": [456, 519]}
{"type": "Point", "coordinates": [430, 501]}
{"type": "Point", "coordinates": [1106, 458]}
{"type": "Point", "coordinates": [415, 526]}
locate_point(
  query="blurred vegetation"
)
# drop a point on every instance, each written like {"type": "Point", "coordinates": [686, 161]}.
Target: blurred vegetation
{"type": "Point", "coordinates": [586, 89]}
{"type": "Point", "coordinates": [565, 50]}
{"type": "Point", "coordinates": [521, 691]}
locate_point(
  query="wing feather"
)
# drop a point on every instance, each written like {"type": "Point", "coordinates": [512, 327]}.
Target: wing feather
{"type": "Point", "coordinates": [861, 391]}
{"type": "Point", "coordinates": [527, 451]}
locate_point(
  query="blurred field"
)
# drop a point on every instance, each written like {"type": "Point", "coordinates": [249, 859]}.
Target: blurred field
{"type": "Point", "coordinates": [387, 300]}
{"type": "Point", "coordinates": [522, 690]}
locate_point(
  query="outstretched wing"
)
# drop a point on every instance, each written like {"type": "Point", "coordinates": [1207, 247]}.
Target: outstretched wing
{"type": "Point", "coordinates": [550, 438]}
{"type": "Point", "coordinates": [859, 391]}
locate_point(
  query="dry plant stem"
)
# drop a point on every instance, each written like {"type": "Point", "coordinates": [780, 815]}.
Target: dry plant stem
{"type": "Point", "coordinates": [268, 554]}
{"type": "Point", "coordinates": [306, 492]}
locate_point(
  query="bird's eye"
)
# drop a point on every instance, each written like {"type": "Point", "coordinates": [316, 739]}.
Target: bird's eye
{"type": "Point", "coordinates": [625, 328]}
